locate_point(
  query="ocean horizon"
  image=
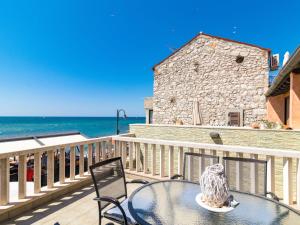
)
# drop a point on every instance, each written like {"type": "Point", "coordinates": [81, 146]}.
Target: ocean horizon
{"type": "Point", "coordinates": [18, 126]}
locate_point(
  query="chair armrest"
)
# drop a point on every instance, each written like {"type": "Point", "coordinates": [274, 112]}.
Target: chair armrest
{"type": "Point", "coordinates": [273, 196]}
{"type": "Point", "coordinates": [115, 202]}
{"type": "Point", "coordinates": [108, 199]}
{"type": "Point", "coordinates": [137, 181]}
{"type": "Point", "coordinates": [176, 176]}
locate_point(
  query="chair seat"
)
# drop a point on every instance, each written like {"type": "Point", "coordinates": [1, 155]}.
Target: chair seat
{"type": "Point", "coordinates": [115, 213]}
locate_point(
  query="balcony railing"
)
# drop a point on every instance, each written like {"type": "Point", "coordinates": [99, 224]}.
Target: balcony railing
{"type": "Point", "coordinates": [163, 158]}
{"type": "Point", "coordinates": [154, 158]}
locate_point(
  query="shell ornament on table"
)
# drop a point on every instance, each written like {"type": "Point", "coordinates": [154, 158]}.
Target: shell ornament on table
{"type": "Point", "coordinates": [214, 187]}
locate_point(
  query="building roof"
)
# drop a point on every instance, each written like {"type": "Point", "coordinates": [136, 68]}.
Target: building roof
{"type": "Point", "coordinates": [281, 83]}
{"type": "Point", "coordinates": [209, 35]}
{"type": "Point", "coordinates": [31, 142]}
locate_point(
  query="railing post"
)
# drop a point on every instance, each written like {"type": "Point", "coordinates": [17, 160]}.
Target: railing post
{"type": "Point", "coordinates": [103, 150]}
{"type": "Point", "coordinates": [62, 165]}
{"type": "Point", "coordinates": [287, 181]}
{"type": "Point", "coordinates": [270, 173]}
{"type": "Point", "coordinates": [81, 160]}
{"type": "Point", "coordinates": [90, 156]}
{"type": "Point", "coordinates": [201, 162]}
{"type": "Point", "coordinates": [37, 172]}
{"type": "Point", "coordinates": [22, 176]}
{"type": "Point", "coordinates": [137, 156]}
{"type": "Point", "coordinates": [254, 175]}
{"type": "Point", "coordinates": [131, 155]}
{"type": "Point", "coordinates": [50, 168]}
{"type": "Point", "coordinates": [117, 148]}
{"type": "Point", "coordinates": [180, 160]}
{"type": "Point", "coordinates": [109, 149]}
{"type": "Point", "coordinates": [4, 181]}
{"type": "Point", "coordinates": [72, 162]}
{"type": "Point", "coordinates": [124, 153]}
{"type": "Point", "coordinates": [298, 183]}
{"type": "Point", "coordinates": [190, 165]}
{"type": "Point", "coordinates": [171, 161]}
{"type": "Point", "coordinates": [162, 161]}
{"type": "Point", "coordinates": [239, 172]}
{"type": "Point", "coordinates": [145, 158]}
{"type": "Point", "coordinates": [153, 167]}
{"type": "Point", "coordinates": [213, 153]}
{"type": "Point", "coordinates": [97, 152]}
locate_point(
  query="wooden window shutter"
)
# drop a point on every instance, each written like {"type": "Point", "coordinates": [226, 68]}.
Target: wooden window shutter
{"type": "Point", "coordinates": [234, 119]}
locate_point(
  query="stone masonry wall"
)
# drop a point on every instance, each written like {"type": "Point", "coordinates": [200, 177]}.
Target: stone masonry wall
{"type": "Point", "coordinates": [206, 70]}
{"type": "Point", "coordinates": [275, 139]}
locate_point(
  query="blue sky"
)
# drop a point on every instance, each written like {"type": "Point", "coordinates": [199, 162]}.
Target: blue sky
{"type": "Point", "coordinates": [88, 58]}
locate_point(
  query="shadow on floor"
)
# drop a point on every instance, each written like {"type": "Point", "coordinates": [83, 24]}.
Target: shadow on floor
{"type": "Point", "coordinates": [40, 212]}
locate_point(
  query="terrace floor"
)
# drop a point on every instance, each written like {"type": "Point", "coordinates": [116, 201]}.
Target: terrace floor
{"type": "Point", "coordinates": [74, 208]}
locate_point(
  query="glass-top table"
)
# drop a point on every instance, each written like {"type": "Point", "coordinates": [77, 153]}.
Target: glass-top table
{"type": "Point", "coordinates": [173, 202]}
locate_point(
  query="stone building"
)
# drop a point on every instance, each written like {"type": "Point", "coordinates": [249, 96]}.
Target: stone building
{"type": "Point", "coordinates": [225, 79]}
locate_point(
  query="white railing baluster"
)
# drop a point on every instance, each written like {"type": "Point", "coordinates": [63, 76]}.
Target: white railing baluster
{"type": "Point", "coordinates": [97, 152]}
{"type": "Point", "coordinates": [190, 165]}
{"type": "Point", "coordinates": [201, 162]}
{"type": "Point", "coordinates": [213, 153]}
{"type": "Point", "coordinates": [62, 165]}
{"type": "Point", "coordinates": [180, 160]}
{"type": "Point", "coordinates": [110, 149]}
{"type": "Point", "coordinates": [103, 150]}
{"type": "Point", "coordinates": [131, 155]}
{"type": "Point", "coordinates": [37, 172]}
{"type": "Point", "coordinates": [287, 181]}
{"type": "Point", "coordinates": [81, 160]}
{"type": "Point", "coordinates": [162, 161]}
{"type": "Point", "coordinates": [72, 162]}
{"type": "Point", "coordinates": [50, 168]}
{"type": "Point", "coordinates": [171, 161]}
{"type": "Point", "coordinates": [22, 176]}
{"type": "Point", "coordinates": [253, 175]}
{"type": "Point", "coordinates": [298, 182]}
{"type": "Point", "coordinates": [137, 157]}
{"type": "Point", "coordinates": [124, 153]}
{"type": "Point", "coordinates": [270, 173]}
{"type": "Point", "coordinates": [239, 172]}
{"type": "Point", "coordinates": [153, 167]}
{"type": "Point", "coordinates": [4, 181]}
{"type": "Point", "coordinates": [90, 156]}
{"type": "Point", "coordinates": [145, 158]}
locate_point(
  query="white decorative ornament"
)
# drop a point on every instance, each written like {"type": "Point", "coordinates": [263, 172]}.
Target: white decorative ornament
{"type": "Point", "coordinates": [214, 187]}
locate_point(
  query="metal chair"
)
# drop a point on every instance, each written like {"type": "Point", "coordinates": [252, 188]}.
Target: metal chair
{"type": "Point", "coordinates": [247, 175]}
{"type": "Point", "coordinates": [194, 165]}
{"type": "Point", "coordinates": [110, 186]}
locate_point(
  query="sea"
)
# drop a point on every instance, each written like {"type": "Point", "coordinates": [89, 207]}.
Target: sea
{"type": "Point", "coordinates": [89, 126]}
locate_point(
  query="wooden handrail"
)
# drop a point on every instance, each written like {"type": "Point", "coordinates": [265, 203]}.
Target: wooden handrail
{"type": "Point", "coordinates": [230, 148]}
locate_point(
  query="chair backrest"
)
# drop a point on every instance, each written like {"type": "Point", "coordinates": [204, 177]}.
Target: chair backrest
{"type": "Point", "coordinates": [109, 179]}
{"type": "Point", "coordinates": [246, 175]}
{"type": "Point", "coordinates": [195, 163]}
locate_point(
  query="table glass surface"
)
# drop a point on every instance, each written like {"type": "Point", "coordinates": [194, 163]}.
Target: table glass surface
{"type": "Point", "coordinates": [173, 202]}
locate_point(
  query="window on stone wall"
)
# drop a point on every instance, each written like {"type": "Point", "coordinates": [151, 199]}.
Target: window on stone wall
{"type": "Point", "coordinates": [234, 119]}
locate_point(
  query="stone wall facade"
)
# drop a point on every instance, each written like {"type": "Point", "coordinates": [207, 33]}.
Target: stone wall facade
{"type": "Point", "coordinates": [205, 70]}
{"type": "Point", "coordinates": [275, 139]}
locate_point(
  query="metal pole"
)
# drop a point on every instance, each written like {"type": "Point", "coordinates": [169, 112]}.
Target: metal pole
{"type": "Point", "coordinates": [118, 122]}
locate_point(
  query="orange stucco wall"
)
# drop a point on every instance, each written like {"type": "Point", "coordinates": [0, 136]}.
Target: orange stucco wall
{"type": "Point", "coordinates": [295, 101]}
{"type": "Point", "coordinates": [275, 108]}
{"type": "Point", "coordinates": [275, 104]}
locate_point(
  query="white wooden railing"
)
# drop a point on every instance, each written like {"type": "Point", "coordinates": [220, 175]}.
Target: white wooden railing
{"type": "Point", "coordinates": [161, 159]}
{"type": "Point", "coordinates": [158, 160]}
{"type": "Point", "coordinates": [97, 149]}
